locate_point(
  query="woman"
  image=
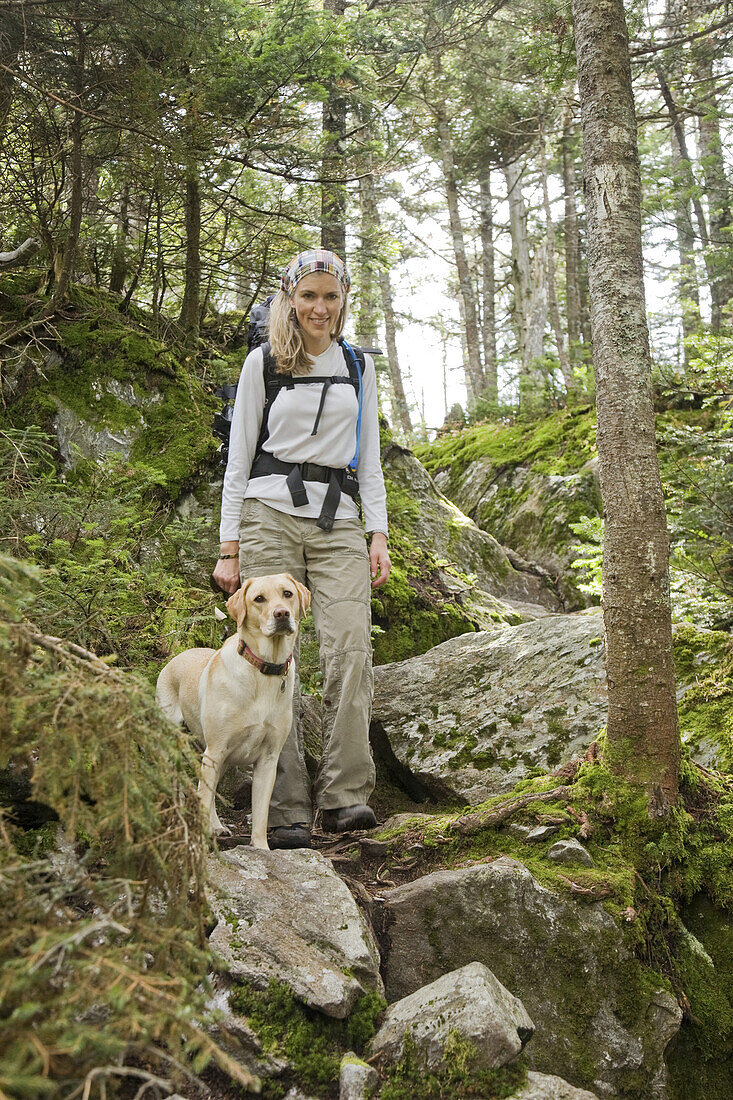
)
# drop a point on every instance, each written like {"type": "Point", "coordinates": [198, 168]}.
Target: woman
{"type": "Point", "coordinates": [287, 506]}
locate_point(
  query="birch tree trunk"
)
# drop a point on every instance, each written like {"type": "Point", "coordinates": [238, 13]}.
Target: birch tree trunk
{"type": "Point", "coordinates": [643, 744]}
{"type": "Point", "coordinates": [489, 288]}
{"type": "Point", "coordinates": [333, 193]}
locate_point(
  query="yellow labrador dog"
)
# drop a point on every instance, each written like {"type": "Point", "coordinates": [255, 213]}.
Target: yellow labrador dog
{"type": "Point", "coordinates": [239, 698]}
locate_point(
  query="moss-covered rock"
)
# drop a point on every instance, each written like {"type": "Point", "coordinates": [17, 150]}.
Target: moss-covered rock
{"type": "Point", "coordinates": [526, 483]}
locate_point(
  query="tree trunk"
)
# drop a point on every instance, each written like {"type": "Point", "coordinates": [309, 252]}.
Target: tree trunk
{"type": "Point", "coordinates": [333, 193]}
{"type": "Point", "coordinates": [717, 190]}
{"type": "Point", "coordinates": [474, 374]}
{"type": "Point", "coordinates": [530, 309]}
{"type": "Point", "coordinates": [118, 272]}
{"type": "Point", "coordinates": [368, 315]}
{"type": "Point", "coordinates": [190, 306]}
{"type": "Point", "coordinates": [689, 182]}
{"type": "Point", "coordinates": [66, 261]}
{"type": "Point", "coordinates": [572, 238]}
{"type": "Point", "coordinates": [489, 288]}
{"type": "Point", "coordinates": [400, 413]}
{"type": "Point", "coordinates": [643, 744]}
{"type": "Point", "coordinates": [689, 292]}
{"type": "Point", "coordinates": [562, 354]}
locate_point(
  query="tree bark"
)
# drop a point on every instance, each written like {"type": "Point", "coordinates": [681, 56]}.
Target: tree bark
{"type": "Point", "coordinates": [118, 271]}
{"type": "Point", "coordinates": [489, 288]}
{"type": "Point", "coordinates": [717, 189]}
{"type": "Point", "coordinates": [333, 193]}
{"type": "Point", "coordinates": [562, 353]}
{"type": "Point", "coordinates": [20, 255]}
{"type": "Point", "coordinates": [475, 383]}
{"type": "Point", "coordinates": [530, 303]}
{"type": "Point", "coordinates": [572, 238]}
{"type": "Point", "coordinates": [367, 318]}
{"type": "Point", "coordinates": [190, 306]}
{"type": "Point", "coordinates": [401, 413]}
{"type": "Point", "coordinates": [66, 262]}
{"type": "Point", "coordinates": [689, 291]}
{"type": "Point", "coordinates": [642, 743]}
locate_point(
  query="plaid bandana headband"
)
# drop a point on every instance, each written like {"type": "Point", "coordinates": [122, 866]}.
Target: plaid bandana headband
{"type": "Point", "coordinates": [312, 262]}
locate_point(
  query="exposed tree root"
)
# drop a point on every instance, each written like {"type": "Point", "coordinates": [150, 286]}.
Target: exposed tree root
{"type": "Point", "coordinates": [473, 823]}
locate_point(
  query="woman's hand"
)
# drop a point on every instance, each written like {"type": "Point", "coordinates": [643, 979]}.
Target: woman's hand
{"type": "Point", "coordinates": [226, 573]}
{"type": "Point", "coordinates": [379, 563]}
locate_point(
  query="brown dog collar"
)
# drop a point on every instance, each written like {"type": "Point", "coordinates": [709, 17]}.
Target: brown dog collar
{"type": "Point", "coordinates": [267, 668]}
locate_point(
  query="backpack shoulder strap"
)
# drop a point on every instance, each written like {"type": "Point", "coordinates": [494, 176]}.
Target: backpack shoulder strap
{"type": "Point", "coordinates": [274, 382]}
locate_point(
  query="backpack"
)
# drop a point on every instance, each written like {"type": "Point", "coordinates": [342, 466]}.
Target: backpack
{"type": "Point", "coordinates": [274, 382]}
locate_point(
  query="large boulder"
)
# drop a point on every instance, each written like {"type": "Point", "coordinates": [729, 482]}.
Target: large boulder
{"type": "Point", "coordinates": [288, 916]}
{"type": "Point", "coordinates": [453, 537]}
{"type": "Point", "coordinates": [469, 1002]}
{"type": "Point", "coordinates": [477, 713]}
{"type": "Point", "coordinates": [598, 1018]}
{"type": "Point", "coordinates": [545, 1086]}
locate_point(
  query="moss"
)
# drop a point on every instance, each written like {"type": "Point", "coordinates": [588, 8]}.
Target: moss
{"type": "Point", "coordinates": [171, 421]}
{"type": "Point", "coordinates": [457, 1076]}
{"type": "Point", "coordinates": [704, 667]}
{"type": "Point", "coordinates": [311, 1042]}
{"type": "Point", "coordinates": [558, 444]}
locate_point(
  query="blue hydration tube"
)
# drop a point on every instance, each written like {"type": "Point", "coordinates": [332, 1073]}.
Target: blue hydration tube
{"type": "Point", "coordinates": [355, 459]}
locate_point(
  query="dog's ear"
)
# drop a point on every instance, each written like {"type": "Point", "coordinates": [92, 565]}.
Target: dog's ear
{"type": "Point", "coordinates": [237, 605]}
{"type": "Point", "coordinates": [303, 594]}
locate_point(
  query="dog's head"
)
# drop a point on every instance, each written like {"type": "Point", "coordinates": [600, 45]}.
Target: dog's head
{"type": "Point", "coordinates": [269, 605]}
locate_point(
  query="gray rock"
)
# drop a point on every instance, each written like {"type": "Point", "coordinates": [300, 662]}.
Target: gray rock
{"type": "Point", "coordinates": [474, 715]}
{"type": "Point", "coordinates": [511, 590]}
{"type": "Point", "coordinates": [520, 832]}
{"type": "Point", "coordinates": [236, 1037]}
{"type": "Point", "coordinates": [296, 1094]}
{"type": "Point", "coordinates": [469, 1001]}
{"type": "Point", "coordinates": [541, 832]}
{"type": "Point", "coordinates": [543, 1086]}
{"type": "Point", "coordinates": [570, 851]}
{"type": "Point", "coordinates": [567, 962]}
{"type": "Point", "coordinates": [528, 511]}
{"type": "Point", "coordinates": [288, 916]}
{"type": "Point", "coordinates": [357, 1080]}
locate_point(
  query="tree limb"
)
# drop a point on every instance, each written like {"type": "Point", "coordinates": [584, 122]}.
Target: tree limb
{"type": "Point", "coordinates": [20, 255]}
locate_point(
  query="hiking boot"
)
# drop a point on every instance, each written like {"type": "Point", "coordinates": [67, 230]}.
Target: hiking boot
{"type": "Point", "coordinates": [290, 836]}
{"type": "Point", "coordinates": [347, 818]}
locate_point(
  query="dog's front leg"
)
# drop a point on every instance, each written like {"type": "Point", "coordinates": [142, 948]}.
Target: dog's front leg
{"type": "Point", "coordinates": [210, 772]}
{"type": "Point", "coordinates": [263, 780]}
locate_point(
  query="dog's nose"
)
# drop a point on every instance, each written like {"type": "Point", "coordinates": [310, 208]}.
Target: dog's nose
{"type": "Point", "coordinates": [281, 613]}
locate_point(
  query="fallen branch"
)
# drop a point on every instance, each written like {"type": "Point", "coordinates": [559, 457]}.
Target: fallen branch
{"type": "Point", "coordinates": [69, 650]}
{"type": "Point", "coordinates": [596, 892]}
{"type": "Point", "coordinates": [20, 255]}
{"type": "Point", "coordinates": [472, 823]}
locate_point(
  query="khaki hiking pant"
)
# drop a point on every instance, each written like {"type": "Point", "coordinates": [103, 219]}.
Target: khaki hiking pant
{"type": "Point", "coordinates": [335, 567]}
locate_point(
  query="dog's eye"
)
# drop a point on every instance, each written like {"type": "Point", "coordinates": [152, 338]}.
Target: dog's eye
{"type": "Point", "coordinates": [287, 593]}
{"type": "Point", "coordinates": [259, 599]}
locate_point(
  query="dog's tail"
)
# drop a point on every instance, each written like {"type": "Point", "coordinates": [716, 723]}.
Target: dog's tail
{"type": "Point", "coordinates": [167, 696]}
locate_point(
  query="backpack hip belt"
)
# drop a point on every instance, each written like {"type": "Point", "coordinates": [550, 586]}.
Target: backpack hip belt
{"type": "Point", "coordinates": [297, 473]}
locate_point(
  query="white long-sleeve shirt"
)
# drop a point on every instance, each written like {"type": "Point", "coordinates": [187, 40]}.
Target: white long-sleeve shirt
{"type": "Point", "coordinates": [290, 423]}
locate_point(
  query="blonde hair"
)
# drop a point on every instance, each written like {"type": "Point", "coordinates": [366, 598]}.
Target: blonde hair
{"type": "Point", "coordinates": [286, 341]}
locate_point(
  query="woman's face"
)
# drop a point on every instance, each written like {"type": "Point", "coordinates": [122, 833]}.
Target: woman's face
{"type": "Point", "coordinates": [317, 303]}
